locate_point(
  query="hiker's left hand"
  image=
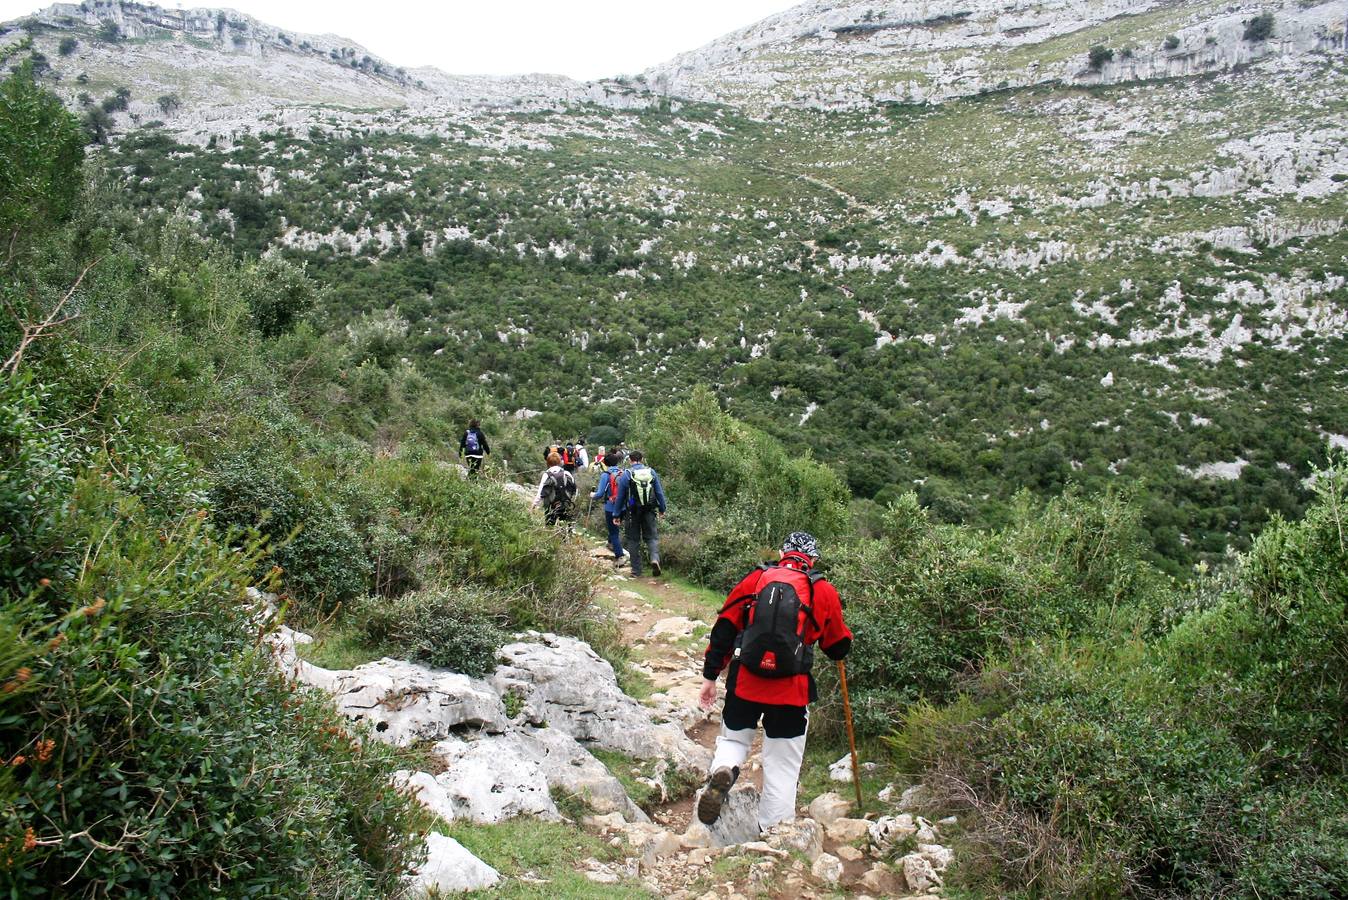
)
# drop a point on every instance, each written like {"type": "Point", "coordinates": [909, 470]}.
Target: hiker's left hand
{"type": "Point", "coordinates": [708, 696]}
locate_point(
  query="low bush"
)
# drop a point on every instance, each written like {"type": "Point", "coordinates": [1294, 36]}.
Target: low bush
{"type": "Point", "coordinates": [154, 747]}
{"type": "Point", "coordinates": [459, 631]}
{"type": "Point", "coordinates": [1205, 761]}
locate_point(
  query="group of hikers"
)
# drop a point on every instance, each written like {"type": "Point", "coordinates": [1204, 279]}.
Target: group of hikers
{"type": "Point", "coordinates": [764, 635]}
{"type": "Point", "coordinates": [630, 494]}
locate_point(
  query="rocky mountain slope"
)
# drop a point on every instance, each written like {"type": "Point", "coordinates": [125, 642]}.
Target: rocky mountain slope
{"type": "Point", "coordinates": [850, 55]}
{"type": "Point", "coordinates": [1063, 271]}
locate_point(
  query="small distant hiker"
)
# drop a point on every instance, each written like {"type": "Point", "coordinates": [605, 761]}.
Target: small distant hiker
{"type": "Point", "coordinates": [582, 456]}
{"type": "Point", "coordinates": [641, 498]}
{"type": "Point", "coordinates": [557, 493]}
{"type": "Point", "coordinates": [607, 490]}
{"type": "Point", "coordinates": [473, 447]}
{"type": "Point", "coordinates": [765, 635]}
{"type": "Point", "coordinates": [569, 458]}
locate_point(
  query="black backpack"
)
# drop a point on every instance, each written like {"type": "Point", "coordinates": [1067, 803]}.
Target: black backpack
{"type": "Point", "coordinates": [772, 644]}
{"type": "Point", "coordinates": [559, 490]}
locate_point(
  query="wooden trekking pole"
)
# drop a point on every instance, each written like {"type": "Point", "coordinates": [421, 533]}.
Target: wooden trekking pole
{"type": "Point", "coordinates": [851, 735]}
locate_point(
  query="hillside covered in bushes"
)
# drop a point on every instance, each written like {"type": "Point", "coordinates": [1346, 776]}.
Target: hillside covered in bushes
{"type": "Point", "coordinates": [183, 418]}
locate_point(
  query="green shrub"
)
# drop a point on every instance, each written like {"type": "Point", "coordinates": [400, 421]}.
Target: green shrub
{"type": "Point", "coordinates": [148, 715]}
{"type": "Point", "coordinates": [1260, 28]}
{"type": "Point", "coordinates": [1205, 761]}
{"type": "Point", "coordinates": [1172, 42]}
{"type": "Point", "coordinates": [444, 628]}
{"type": "Point", "coordinates": [1098, 56]}
{"type": "Point", "coordinates": [320, 553]}
{"type": "Point", "coordinates": [67, 46]}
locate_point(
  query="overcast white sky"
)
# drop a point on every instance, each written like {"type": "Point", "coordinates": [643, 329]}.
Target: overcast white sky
{"type": "Point", "coordinates": [581, 38]}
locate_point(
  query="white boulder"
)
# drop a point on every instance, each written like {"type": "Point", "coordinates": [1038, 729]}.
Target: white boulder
{"type": "Point", "coordinates": [449, 869]}
{"type": "Point", "coordinates": [405, 702]}
{"type": "Point", "coordinates": [493, 779]}
{"type": "Point", "coordinates": [566, 685]}
{"type": "Point", "coordinates": [827, 868]}
{"type": "Point", "coordinates": [825, 808]}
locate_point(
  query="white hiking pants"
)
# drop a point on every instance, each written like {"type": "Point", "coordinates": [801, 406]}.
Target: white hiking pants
{"type": "Point", "coordinates": [782, 756]}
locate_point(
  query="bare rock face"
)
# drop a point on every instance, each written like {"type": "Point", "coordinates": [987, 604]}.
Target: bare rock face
{"type": "Point", "coordinates": [738, 822]}
{"type": "Point", "coordinates": [404, 702]}
{"type": "Point", "coordinates": [804, 836]}
{"type": "Point", "coordinates": [566, 685]}
{"type": "Point", "coordinates": [449, 869]}
{"type": "Point", "coordinates": [569, 767]}
{"type": "Point", "coordinates": [493, 779]}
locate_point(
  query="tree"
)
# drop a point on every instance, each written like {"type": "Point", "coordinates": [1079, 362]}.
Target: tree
{"type": "Point", "coordinates": [109, 32]}
{"type": "Point", "coordinates": [1098, 56]}
{"type": "Point", "coordinates": [1171, 42]}
{"type": "Point", "coordinates": [169, 104]}
{"type": "Point", "coordinates": [41, 149]}
{"type": "Point", "coordinates": [67, 46]}
{"type": "Point", "coordinates": [1260, 28]}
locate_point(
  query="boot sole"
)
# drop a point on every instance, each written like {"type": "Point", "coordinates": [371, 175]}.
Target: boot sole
{"type": "Point", "coordinates": [713, 796]}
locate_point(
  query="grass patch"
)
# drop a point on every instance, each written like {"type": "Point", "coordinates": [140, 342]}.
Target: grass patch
{"type": "Point", "coordinates": [630, 771]}
{"type": "Point", "coordinates": [819, 755]}
{"type": "Point", "coordinates": [546, 853]}
{"type": "Point", "coordinates": [339, 646]}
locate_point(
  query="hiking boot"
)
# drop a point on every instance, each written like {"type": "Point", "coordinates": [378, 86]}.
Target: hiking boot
{"type": "Point", "coordinates": [655, 567]}
{"type": "Point", "coordinates": [714, 794]}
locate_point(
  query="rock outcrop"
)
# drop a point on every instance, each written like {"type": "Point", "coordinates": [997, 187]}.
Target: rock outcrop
{"type": "Point", "coordinates": [564, 684]}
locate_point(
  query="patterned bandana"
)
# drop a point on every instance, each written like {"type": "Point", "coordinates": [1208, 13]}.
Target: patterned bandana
{"type": "Point", "coordinates": [801, 542]}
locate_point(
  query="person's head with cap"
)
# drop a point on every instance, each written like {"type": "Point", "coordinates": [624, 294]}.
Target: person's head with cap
{"type": "Point", "coordinates": [801, 543]}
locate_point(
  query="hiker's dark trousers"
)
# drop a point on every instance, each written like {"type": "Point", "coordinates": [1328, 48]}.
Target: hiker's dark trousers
{"type": "Point", "coordinates": [641, 528]}
{"type": "Point", "coordinates": [615, 535]}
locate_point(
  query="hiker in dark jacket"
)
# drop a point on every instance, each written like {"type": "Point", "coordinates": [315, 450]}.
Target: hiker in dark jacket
{"type": "Point", "coordinates": [641, 498]}
{"type": "Point", "coordinates": [780, 700]}
{"type": "Point", "coordinates": [607, 490]}
{"type": "Point", "coordinates": [473, 447]}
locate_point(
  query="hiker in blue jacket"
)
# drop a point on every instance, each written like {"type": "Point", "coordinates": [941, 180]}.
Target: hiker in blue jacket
{"type": "Point", "coordinates": [607, 490]}
{"type": "Point", "coordinates": [641, 498]}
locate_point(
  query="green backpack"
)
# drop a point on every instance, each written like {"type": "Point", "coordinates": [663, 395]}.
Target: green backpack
{"type": "Point", "coordinates": [642, 488]}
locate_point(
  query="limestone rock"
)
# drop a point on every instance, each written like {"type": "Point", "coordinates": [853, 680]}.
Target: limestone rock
{"type": "Point", "coordinates": [918, 873]}
{"type": "Point", "coordinates": [848, 854]}
{"type": "Point", "coordinates": [404, 702]}
{"type": "Point", "coordinates": [672, 629]}
{"type": "Point", "coordinates": [825, 808]}
{"type": "Point", "coordinates": [939, 857]}
{"type": "Point", "coordinates": [827, 868]}
{"type": "Point", "coordinates": [426, 790]}
{"type": "Point", "coordinates": [841, 770]}
{"type": "Point", "coordinates": [888, 831]}
{"type": "Point", "coordinates": [913, 798]}
{"type": "Point", "coordinates": [880, 879]}
{"type": "Point", "coordinates": [802, 836]}
{"type": "Point", "coordinates": [847, 831]}
{"type": "Point", "coordinates": [569, 767]}
{"type": "Point", "coordinates": [738, 822]}
{"type": "Point", "coordinates": [660, 846]}
{"type": "Point", "coordinates": [493, 779]}
{"type": "Point", "coordinates": [566, 685]}
{"type": "Point", "coordinates": [450, 869]}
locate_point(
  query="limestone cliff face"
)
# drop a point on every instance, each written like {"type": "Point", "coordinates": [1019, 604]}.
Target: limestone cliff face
{"type": "Point", "coordinates": [853, 54]}
{"type": "Point", "coordinates": [227, 70]}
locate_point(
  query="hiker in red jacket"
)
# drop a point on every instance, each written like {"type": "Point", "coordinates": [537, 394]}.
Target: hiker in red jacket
{"type": "Point", "coordinates": [765, 635]}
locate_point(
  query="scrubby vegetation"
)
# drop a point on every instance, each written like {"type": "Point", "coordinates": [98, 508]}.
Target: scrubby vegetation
{"type": "Point", "coordinates": [174, 430]}
{"type": "Point", "coordinates": [1103, 729]}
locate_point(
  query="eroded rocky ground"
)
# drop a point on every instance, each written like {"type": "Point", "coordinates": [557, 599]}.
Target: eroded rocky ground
{"type": "Point", "coordinates": [551, 736]}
